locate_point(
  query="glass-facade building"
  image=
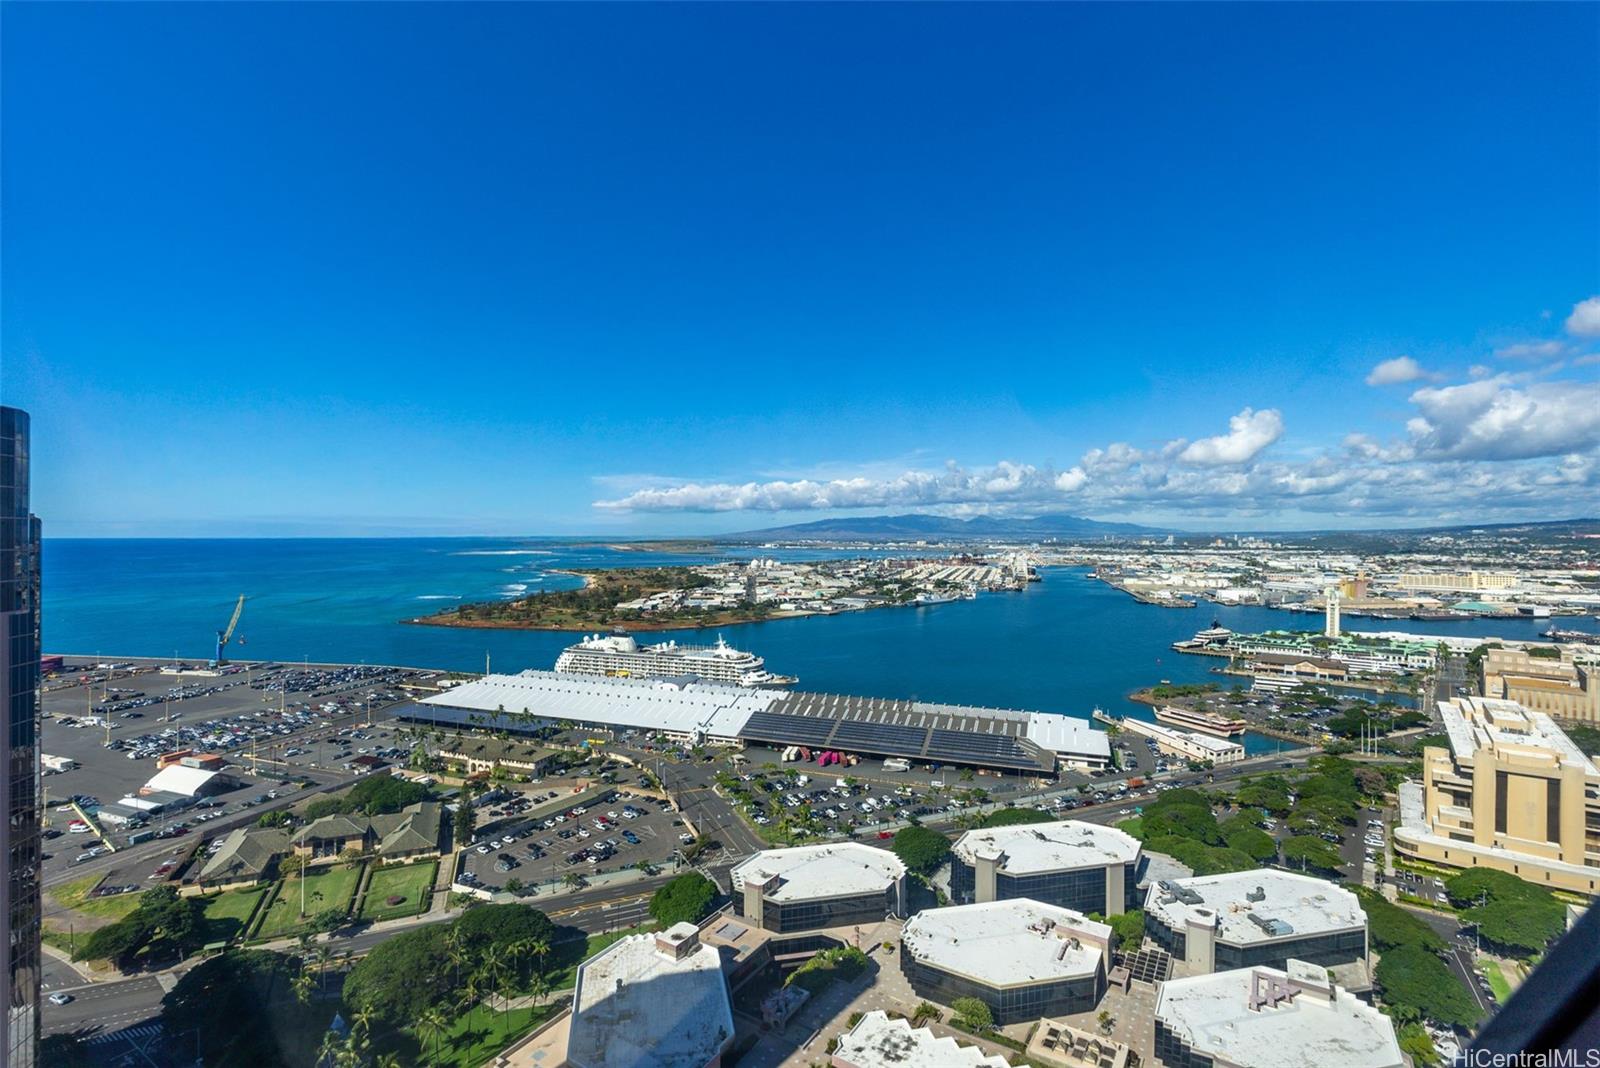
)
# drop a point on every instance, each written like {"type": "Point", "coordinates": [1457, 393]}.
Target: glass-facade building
{"type": "Point", "coordinates": [1080, 889]}
{"type": "Point", "coordinates": [19, 752]}
{"type": "Point", "coordinates": [1008, 1004]}
{"type": "Point", "coordinates": [810, 914]}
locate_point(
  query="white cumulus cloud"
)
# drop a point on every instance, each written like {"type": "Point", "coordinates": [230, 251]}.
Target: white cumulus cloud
{"type": "Point", "coordinates": [1399, 369]}
{"type": "Point", "coordinates": [1585, 318]}
{"type": "Point", "coordinates": [1497, 419]}
{"type": "Point", "coordinates": [1531, 350]}
{"type": "Point", "coordinates": [1248, 433]}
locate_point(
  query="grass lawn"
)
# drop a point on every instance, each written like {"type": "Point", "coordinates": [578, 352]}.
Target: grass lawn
{"type": "Point", "coordinates": [475, 1039]}
{"type": "Point", "coordinates": [1497, 979]}
{"type": "Point", "coordinates": [331, 888]}
{"type": "Point", "coordinates": [228, 913]}
{"type": "Point", "coordinates": [75, 896]}
{"type": "Point", "coordinates": [414, 882]}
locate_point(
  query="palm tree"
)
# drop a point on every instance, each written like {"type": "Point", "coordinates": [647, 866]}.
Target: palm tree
{"type": "Point", "coordinates": [328, 1052]}
{"type": "Point", "coordinates": [433, 1022]}
{"type": "Point", "coordinates": [387, 1060]}
{"type": "Point", "coordinates": [301, 985]}
{"type": "Point", "coordinates": [324, 955]}
{"type": "Point", "coordinates": [455, 952]}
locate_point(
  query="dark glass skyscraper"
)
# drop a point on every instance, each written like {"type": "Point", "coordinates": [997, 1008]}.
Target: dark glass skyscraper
{"type": "Point", "coordinates": [19, 748]}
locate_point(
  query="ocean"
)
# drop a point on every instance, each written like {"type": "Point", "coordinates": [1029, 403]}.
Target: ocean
{"type": "Point", "coordinates": [1067, 644]}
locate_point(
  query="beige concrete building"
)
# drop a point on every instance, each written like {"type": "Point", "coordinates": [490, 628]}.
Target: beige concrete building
{"type": "Point", "coordinates": [1557, 686]}
{"type": "Point", "coordinates": [1471, 581]}
{"type": "Point", "coordinates": [1510, 792]}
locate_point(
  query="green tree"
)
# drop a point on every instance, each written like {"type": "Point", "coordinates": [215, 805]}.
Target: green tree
{"type": "Point", "coordinates": [1523, 927]}
{"type": "Point", "coordinates": [973, 1014]}
{"type": "Point", "coordinates": [501, 926]}
{"type": "Point", "coordinates": [1311, 852]}
{"type": "Point", "coordinates": [685, 899]}
{"type": "Point", "coordinates": [1253, 842]}
{"type": "Point", "coordinates": [64, 1051]}
{"type": "Point", "coordinates": [1390, 926]}
{"type": "Point", "coordinates": [920, 849]}
{"type": "Point", "coordinates": [402, 977]}
{"type": "Point", "coordinates": [1411, 976]}
{"type": "Point", "coordinates": [240, 1007]}
{"type": "Point", "coordinates": [1011, 817]}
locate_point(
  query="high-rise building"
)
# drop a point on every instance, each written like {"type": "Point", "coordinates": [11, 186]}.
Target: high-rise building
{"type": "Point", "coordinates": [1509, 791]}
{"type": "Point", "coordinates": [19, 746]}
{"type": "Point", "coordinates": [1330, 607]}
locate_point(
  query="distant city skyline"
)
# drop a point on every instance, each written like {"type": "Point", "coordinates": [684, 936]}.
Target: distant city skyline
{"type": "Point", "coordinates": [529, 269]}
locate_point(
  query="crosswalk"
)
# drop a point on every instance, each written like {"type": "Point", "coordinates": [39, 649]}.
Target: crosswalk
{"type": "Point", "coordinates": [127, 1034]}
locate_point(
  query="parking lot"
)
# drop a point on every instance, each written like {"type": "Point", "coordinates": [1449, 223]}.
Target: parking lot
{"type": "Point", "coordinates": [623, 832]}
{"type": "Point", "coordinates": [278, 728]}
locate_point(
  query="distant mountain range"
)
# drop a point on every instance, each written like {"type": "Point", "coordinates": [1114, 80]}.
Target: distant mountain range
{"type": "Point", "coordinates": [937, 527]}
{"type": "Point", "coordinates": [901, 527]}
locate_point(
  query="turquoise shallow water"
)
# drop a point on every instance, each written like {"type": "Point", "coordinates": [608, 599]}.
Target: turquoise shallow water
{"type": "Point", "coordinates": [1066, 644]}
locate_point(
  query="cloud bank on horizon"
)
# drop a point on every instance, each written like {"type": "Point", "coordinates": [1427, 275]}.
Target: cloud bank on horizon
{"type": "Point", "coordinates": [1494, 444]}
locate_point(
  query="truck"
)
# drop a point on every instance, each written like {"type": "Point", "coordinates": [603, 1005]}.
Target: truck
{"type": "Point", "coordinates": [896, 764]}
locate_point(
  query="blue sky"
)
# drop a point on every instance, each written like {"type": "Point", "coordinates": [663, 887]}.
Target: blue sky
{"type": "Point", "coordinates": [550, 269]}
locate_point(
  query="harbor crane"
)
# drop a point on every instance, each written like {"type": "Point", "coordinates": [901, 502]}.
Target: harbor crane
{"type": "Point", "coordinates": [224, 636]}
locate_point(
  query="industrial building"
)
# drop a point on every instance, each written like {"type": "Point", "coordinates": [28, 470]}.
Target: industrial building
{"type": "Point", "coordinates": [658, 1000]}
{"type": "Point", "coordinates": [1510, 792]}
{"type": "Point", "coordinates": [1191, 745]}
{"type": "Point", "coordinates": [811, 887]}
{"type": "Point", "coordinates": [1072, 864]}
{"type": "Point", "coordinates": [1024, 959]}
{"type": "Point", "coordinates": [1213, 923]}
{"type": "Point", "coordinates": [697, 712]}
{"type": "Point", "coordinates": [1270, 1018]}
{"type": "Point", "coordinates": [188, 781]}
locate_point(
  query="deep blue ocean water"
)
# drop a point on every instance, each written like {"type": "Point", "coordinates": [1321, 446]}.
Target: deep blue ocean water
{"type": "Point", "coordinates": [1067, 644]}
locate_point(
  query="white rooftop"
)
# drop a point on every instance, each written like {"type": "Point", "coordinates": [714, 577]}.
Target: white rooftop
{"type": "Point", "coordinates": [1044, 847]}
{"type": "Point", "coordinates": [1008, 943]}
{"type": "Point", "coordinates": [1067, 734]}
{"type": "Point", "coordinates": [636, 1005]}
{"type": "Point", "coordinates": [1297, 905]}
{"type": "Point", "coordinates": [879, 1042]}
{"type": "Point", "coordinates": [1474, 723]}
{"type": "Point", "coordinates": [839, 869]}
{"type": "Point", "coordinates": [1318, 1025]}
{"type": "Point", "coordinates": [178, 779]}
{"type": "Point", "coordinates": [651, 704]}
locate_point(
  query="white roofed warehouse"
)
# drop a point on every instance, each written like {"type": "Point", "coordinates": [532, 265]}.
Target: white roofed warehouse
{"type": "Point", "coordinates": [1270, 1018]}
{"type": "Point", "coordinates": [1070, 863]}
{"type": "Point", "coordinates": [812, 887]}
{"type": "Point", "coordinates": [1263, 917]}
{"type": "Point", "coordinates": [698, 712]}
{"type": "Point", "coordinates": [1023, 959]}
{"type": "Point", "coordinates": [651, 1001]}
{"type": "Point", "coordinates": [188, 782]}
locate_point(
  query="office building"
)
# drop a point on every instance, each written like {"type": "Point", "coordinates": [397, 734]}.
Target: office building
{"type": "Point", "coordinates": [1024, 959]}
{"type": "Point", "coordinates": [1072, 864]}
{"type": "Point", "coordinates": [651, 1001]}
{"type": "Point", "coordinates": [1215, 923]}
{"type": "Point", "coordinates": [1270, 1018]}
{"type": "Point", "coordinates": [1510, 791]}
{"type": "Point", "coordinates": [19, 744]}
{"type": "Point", "coordinates": [1562, 686]}
{"type": "Point", "coordinates": [876, 1041]}
{"type": "Point", "coordinates": [811, 887]}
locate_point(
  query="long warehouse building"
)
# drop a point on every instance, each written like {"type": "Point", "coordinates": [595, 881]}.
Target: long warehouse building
{"type": "Point", "coordinates": [700, 712]}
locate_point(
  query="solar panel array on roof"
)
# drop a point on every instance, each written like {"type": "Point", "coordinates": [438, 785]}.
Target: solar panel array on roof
{"type": "Point", "coordinates": [785, 729]}
{"type": "Point", "coordinates": [969, 748]}
{"type": "Point", "coordinates": [858, 734]}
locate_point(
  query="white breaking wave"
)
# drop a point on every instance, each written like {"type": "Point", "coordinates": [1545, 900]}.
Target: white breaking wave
{"type": "Point", "coordinates": [504, 552]}
{"type": "Point", "coordinates": [438, 597]}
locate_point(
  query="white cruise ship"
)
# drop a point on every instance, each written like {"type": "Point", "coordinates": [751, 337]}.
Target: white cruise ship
{"type": "Point", "coordinates": [621, 656]}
